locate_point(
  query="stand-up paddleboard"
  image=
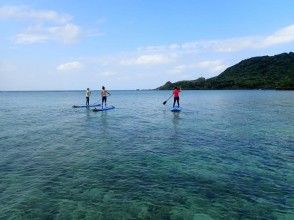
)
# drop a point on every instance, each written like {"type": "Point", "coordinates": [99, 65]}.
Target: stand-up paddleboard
{"type": "Point", "coordinates": [176, 109]}
{"type": "Point", "coordinates": [86, 106]}
{"type": "Point", "coordinates": [103, 109]}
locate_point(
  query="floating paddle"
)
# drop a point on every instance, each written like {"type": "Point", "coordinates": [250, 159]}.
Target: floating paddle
{"type": "Point", "coordinates": [167, 100]}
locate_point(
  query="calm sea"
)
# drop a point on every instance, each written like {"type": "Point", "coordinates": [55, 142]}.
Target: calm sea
{"type": "Point", "coordinates": [227, 155]}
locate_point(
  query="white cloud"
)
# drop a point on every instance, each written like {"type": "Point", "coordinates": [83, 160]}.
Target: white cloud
{"type": "Point", "coordinates": [32, 35]}
{"type": "Point", "coordinates": [282, 36]}
{"type": "Point", "coordinates": [27, 13]}
{"type": "Point", "coordinates": [45, 25]}
{"type": "Point", "coordinates": [188, 60]}
{"type": "Point", "coordinates": [213, 65]}
{"type": "Point", "coordinates": [208, 66]}
{"type": "Point", "coordinates": [68, 33]}
{"type": "Point", "coordinates": [150, 59]}
{"type": "Point", "coordinates": [27, 38]}
{"type": "Point", "coordinates": [70, 66]}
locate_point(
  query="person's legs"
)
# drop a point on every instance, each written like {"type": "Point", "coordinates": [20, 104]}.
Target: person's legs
{"type": "Point", "coordinates": [178, 101]}
{"type": "Point", "coordinates": [87, 100]}
{"type": "Point", "coordinates": [103, 101]}
{"type": "Point", "coordinates": [175, 99]}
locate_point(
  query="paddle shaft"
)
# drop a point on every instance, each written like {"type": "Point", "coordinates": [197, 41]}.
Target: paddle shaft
{"type": "Point", "coordinates": [167, 99]}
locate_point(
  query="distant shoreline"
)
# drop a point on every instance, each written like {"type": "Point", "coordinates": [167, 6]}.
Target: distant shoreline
{"type": "Point", "coordinates": [73, 90]}
{"type": "Point", "coordinates": [227, 89]}
{"type": "Point", "coordinates": [265, 72]}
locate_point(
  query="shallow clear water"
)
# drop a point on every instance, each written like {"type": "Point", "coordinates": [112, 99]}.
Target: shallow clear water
{"type": "Point", "coordinates": [227, 155]}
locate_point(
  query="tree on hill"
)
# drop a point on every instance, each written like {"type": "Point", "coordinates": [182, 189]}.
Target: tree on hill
{"type": "Point", "coordinates": [266, 72]}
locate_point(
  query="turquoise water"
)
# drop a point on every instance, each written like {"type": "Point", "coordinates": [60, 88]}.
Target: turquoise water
{"type": "Point", "coordinates": [226, 155]}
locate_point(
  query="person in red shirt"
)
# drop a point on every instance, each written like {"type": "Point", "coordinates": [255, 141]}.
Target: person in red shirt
{"type": "Point", "coordinates": [176, 94]}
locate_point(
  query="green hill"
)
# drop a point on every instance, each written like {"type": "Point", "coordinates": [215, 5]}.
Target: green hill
{"type": "Point", "coordinates": [266, 72]}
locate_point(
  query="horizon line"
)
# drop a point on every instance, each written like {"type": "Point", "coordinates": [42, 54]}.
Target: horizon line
{"type": "Point", "coordinates": [72, 90]}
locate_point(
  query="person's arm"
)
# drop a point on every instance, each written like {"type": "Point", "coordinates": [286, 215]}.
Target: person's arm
{"type": "Point", "coordinates": [108, 93]}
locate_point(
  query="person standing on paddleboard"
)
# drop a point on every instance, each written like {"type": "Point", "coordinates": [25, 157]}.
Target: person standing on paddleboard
{"type": "Point", "coordinates": [88, 94]}
{"type": "Point", "coordinates": [104, 94]}
{"type": "Point", "coordinates": [176, 94]}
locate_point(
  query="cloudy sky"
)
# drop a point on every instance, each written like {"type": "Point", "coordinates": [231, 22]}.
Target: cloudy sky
{"type": "Point", "coordinates": [130, 44]}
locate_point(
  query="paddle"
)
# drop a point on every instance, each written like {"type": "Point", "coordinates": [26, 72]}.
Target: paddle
{"type": "Point", "coordinates": [167, 100]}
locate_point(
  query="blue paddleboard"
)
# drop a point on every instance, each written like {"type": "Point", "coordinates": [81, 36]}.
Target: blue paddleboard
{"type": "Point", "coordinates": [86, 106]}
{"type": "Point", "coordinates": [176, 109]}
{"type": "Point", "coordinates": [103, 109]}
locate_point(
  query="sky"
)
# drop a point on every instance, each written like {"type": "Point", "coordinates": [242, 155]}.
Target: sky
{"type": "Point", "coordinates": [134, 44]}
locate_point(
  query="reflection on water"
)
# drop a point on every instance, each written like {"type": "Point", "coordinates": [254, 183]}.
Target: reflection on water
{"type": "Point", "coordinates": [104, 123]}
{"type": "Point", "coordinates": [88, 113]}
{"type": "Point", "coordinates": [226, 155]}
{"type": "Point", "coordinates": [176, 118]}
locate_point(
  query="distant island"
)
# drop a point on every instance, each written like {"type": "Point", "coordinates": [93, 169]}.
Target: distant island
{"type": "Point", "coordinates": [266, 72]}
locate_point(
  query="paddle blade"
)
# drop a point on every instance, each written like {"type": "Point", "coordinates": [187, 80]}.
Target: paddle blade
{"type": "Point", "coordinates": [164, 102]}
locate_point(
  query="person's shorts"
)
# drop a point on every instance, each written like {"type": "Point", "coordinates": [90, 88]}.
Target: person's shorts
{"type": "Point", "coordinates": [104, 98]}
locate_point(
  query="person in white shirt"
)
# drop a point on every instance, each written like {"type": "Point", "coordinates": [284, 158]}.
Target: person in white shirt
{"type": "Point", "coordinates": [88, 94]}
{"type": "Point", "coordinates": [104, 94]}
